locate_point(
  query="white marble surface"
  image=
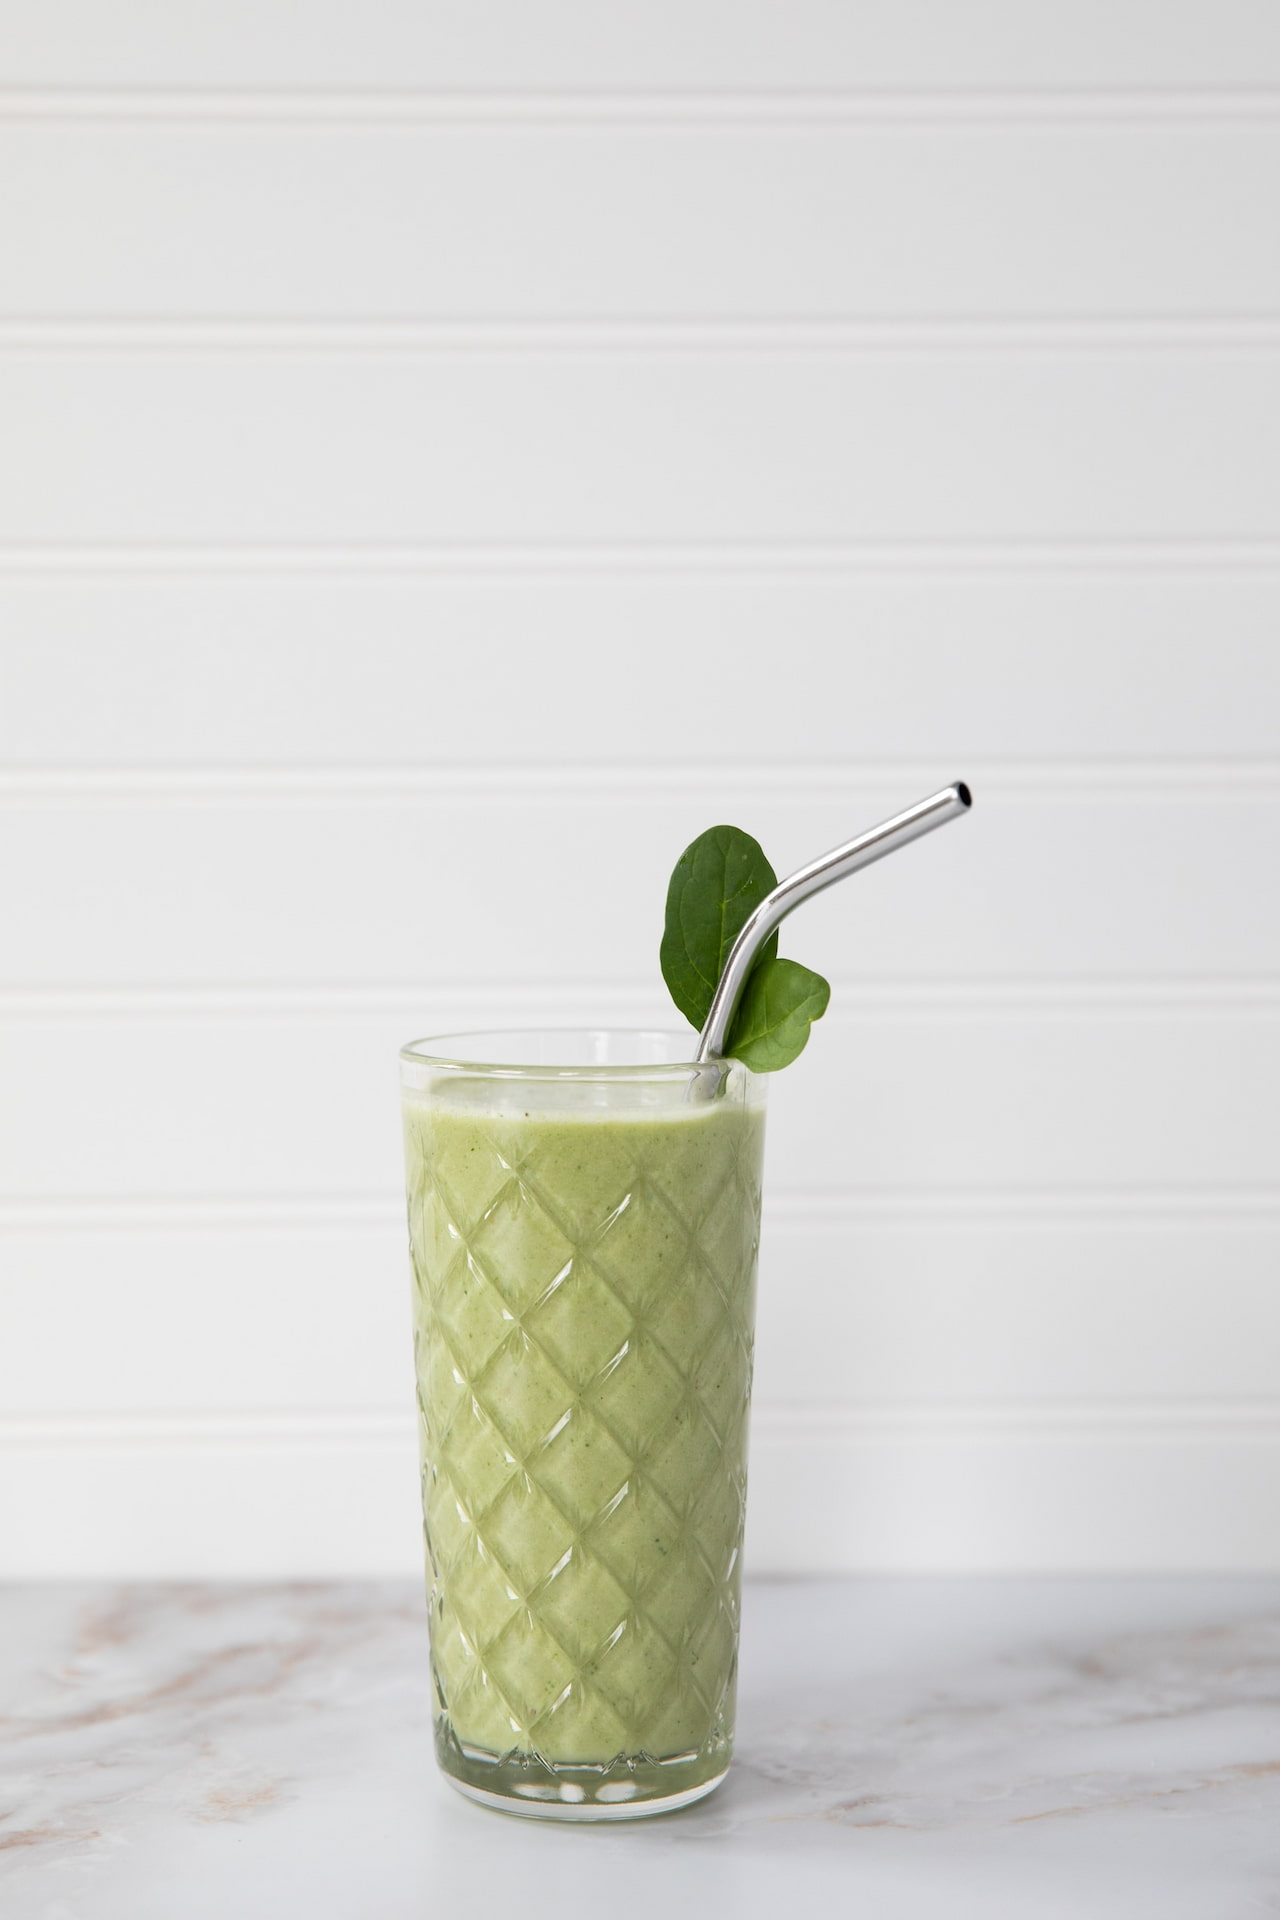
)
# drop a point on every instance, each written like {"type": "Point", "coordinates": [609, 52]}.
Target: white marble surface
{"type": "Point", "coordinates": [907, 1748]}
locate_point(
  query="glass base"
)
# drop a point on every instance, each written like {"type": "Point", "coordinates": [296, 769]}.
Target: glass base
{"type": "Point", "coordinates": [627, 1788]}
{"type": "Point", "coordinates": [563, 1807]}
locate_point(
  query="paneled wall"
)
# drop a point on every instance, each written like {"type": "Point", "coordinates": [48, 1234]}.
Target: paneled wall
{"type": "Point", "coordinates": [450, 455]}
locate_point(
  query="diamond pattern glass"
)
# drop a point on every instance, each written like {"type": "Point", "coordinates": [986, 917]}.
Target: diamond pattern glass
{"type": "Point", "coordinates": [583, 1318]}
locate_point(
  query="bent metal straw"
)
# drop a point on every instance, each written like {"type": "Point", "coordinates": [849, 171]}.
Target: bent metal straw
{"type": "Point", "coordinates": [948, 804]}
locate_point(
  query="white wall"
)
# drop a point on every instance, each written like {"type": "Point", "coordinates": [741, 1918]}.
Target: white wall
{"type": "Point", "coordinates": [451, 455]}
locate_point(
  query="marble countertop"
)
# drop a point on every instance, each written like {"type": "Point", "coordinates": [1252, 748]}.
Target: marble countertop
{"type": "Point", "coordinates": [906, 1748]}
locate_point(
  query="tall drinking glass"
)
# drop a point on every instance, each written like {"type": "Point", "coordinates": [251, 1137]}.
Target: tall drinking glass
{"type": "Point", "coordinates": [584, 1212]}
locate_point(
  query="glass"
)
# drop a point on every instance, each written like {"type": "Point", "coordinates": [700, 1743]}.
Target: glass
{"type": "Point", "coordinates": [584, 1214]}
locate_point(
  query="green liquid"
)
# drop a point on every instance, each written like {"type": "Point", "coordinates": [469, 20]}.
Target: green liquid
{"type": "Point", "coordinates": [583, 1314]}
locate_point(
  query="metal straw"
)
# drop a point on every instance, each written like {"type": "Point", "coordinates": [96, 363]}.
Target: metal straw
{"type": "Point", "coordinates": [949, 804]}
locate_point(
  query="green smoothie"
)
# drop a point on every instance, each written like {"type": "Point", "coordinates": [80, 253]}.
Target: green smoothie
{"type": "Point", "coordinates": [584, 1274]}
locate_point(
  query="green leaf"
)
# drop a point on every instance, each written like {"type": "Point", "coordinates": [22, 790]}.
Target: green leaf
{"type": "Point", "coordinates": [719, 881]}
{"type": "Point", "coordinates": [779, 1003]}
{"type": "Point", "coordinates": [720, 878]}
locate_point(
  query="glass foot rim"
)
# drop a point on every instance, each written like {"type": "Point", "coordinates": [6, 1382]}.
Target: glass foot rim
{"type": "Point", "coordinates": [584, 1809]}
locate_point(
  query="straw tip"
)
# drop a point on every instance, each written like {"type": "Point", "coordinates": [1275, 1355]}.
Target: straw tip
{"type": "Point", "coordinates": [963, 794]}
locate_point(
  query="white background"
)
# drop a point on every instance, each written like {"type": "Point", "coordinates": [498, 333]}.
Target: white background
{"type": "Point", "coordinates": [452, 454]}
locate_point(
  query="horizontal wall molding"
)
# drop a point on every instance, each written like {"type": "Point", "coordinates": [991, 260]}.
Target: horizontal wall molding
{"type": "Point", "coordinates": [909, 333]}
{"type": "Point", "coordinates": [344, 1501]}
{"type": "Point", "coordinates": [622, 238]}
{"type": "Point", "coordinates": [571, 48]}
{"type": "Point", "coordinates": [380, 1428]}
{"type": "Point", "coordinates": [1099, 779]}
{"type": "Point", "coordinates": [656, 455]}
{"type": "Point", "coordinates": [721, 107]}
{"type": "Point", "coordinates": [933, 1206]}
{"type": "Point", "coordinates": [1183, 1418]}
{"type": "Point", "coordinates": [1172, 556]}
{"type": "Point", "coordinates": [921, 1307]}
{"type": "Point", "coordinates": [184, 1108]}
{"type": "Point", "coordinates": [632, 1001]}
{"type": "Point", "coordinates": [1057, 1488]}
{"type": "Point", "coordinates": [282, 1214]}
{"type": "Point", "coordinates": [321, 668]}
{"type": "Point", "coordinates": [926, 1207]}
{"type": "Point", "coordinates": [264, 1429]}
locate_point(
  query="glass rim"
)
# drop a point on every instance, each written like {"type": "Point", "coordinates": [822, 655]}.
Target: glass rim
{"type": "Point", "coordinates": [473, 1052]}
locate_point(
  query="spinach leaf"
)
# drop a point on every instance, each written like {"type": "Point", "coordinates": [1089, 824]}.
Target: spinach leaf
{"type": "Point", "coordinates": [779, 1003]}
{"type": "Point", "coordinates": [720, 879]}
